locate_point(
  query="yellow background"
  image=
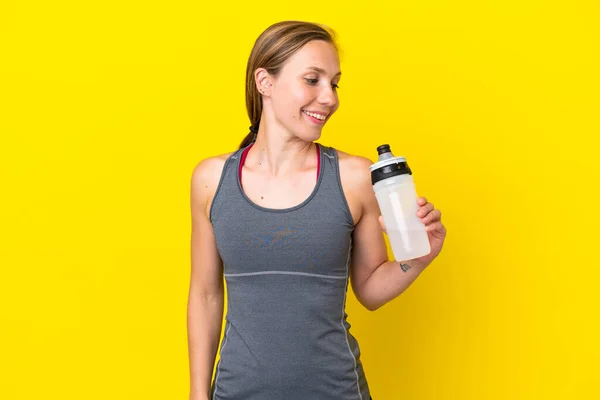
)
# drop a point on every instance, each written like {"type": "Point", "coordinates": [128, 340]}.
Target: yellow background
{"type": "Point", "coordinates": [106, 107]}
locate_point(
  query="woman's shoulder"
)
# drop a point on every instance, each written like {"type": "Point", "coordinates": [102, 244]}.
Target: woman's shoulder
{"type": "Point", "coordinates": [211, 167]}
{"type": "Point", "coordinates": [355, 179]}
{"type": "Point", "coordinates": [206, 175]}
{"type": "Point", "coordinates": [354, 171]}
{"type": "Point", "coordinates": [353, 160]}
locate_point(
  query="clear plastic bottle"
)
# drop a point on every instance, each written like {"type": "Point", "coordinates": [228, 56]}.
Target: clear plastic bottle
{"type": "Point", "coordinates": [397, 197]}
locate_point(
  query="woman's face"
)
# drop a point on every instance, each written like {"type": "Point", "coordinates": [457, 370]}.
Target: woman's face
{"type": "Point", "coordinates": [304, 95]}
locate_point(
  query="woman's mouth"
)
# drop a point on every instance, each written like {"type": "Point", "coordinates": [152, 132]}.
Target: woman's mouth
{"type": "Point", "coordinates": [317, 118]}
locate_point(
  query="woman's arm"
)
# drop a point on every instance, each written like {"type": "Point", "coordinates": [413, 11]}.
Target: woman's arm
{"type": "Point", "coordinates": [205, 300]}
{"type": "Point", "coordinates": [376, 280]}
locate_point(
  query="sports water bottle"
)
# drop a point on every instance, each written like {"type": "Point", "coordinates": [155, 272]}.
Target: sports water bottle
{"type": "Point", "coordinates": [397, 197]}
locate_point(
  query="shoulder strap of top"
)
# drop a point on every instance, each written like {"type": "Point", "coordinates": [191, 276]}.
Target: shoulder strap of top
{"type": "Point", "coordinates": [225, 181]}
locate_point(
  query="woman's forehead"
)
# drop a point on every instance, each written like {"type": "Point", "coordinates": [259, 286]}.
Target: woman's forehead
{"type": "Point", "coordinates": [317, 56]}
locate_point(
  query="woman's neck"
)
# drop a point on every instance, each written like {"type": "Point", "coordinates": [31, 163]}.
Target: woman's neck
{"type": "Point", "coordinates": [280, 156]}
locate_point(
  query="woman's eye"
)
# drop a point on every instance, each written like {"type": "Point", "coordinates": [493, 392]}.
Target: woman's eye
{"type": "Point", "coordinates": [313, 82]}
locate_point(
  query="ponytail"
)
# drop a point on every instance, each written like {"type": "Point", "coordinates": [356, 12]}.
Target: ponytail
{"type": "Point", "coordinates": [250, 137]}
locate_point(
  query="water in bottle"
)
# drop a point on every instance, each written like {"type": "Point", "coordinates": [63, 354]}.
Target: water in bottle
{"type": "Point", "coordinates": [397, 197]}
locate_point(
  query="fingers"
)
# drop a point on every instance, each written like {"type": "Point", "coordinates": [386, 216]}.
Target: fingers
{"type": "Point", "coordinates": [436, 226]}
{"type": "Point", "coordinates": [421, 201]}
{"type": "Point", "coordinates": [432, 216]}
{"type": "Point", "coordinates": [424, 210]}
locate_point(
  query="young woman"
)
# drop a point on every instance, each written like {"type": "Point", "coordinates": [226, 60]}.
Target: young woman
{"type": "Point", "coordinates": [288, 223]}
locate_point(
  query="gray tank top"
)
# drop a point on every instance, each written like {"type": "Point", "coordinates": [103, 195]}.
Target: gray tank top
{"type": "Point", "coordinates": [286, 272]}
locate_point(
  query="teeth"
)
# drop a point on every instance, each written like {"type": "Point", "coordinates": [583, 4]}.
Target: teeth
{"type": "Point", "coordinates": [318, 116]}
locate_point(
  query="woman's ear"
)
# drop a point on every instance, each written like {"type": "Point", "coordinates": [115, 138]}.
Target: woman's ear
{"type": "Point", "coordinates": [264, 81]}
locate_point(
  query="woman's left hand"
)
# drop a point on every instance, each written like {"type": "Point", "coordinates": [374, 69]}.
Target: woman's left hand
{"type": "Point", "coordinates": [436, 231]}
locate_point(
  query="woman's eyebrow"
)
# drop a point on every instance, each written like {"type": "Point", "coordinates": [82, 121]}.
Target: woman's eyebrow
{"type": "Point", "coordinates": [322, 71]}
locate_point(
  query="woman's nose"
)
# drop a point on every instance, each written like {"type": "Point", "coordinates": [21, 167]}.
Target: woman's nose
{"type": "Point", "coordinates": [327, 96]}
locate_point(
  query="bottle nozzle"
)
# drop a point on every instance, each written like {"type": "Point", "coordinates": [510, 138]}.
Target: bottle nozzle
{"type": "Point", "coordinates": [384, 148]}
{"type": "Point", "coordinates": [384, 152]}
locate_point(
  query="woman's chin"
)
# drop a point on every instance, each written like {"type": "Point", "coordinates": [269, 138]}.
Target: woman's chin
{"type": "Point", "coordinates": [311, 137]}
